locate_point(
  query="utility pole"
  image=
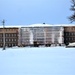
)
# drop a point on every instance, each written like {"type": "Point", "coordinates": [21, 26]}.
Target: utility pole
{"type": "Point", "coordinates": [3, 23]}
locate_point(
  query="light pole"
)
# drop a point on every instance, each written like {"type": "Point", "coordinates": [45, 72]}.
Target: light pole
{"type": "Point", "coordinates": [3, 23]}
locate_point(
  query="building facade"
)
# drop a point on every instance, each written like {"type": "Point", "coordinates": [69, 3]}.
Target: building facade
{"type": "Point", "coordinates": [54, 35]}
{"type": "Point", "coordinates": [41, 35]}
{"type": "Point", "coordinates": [11, 36]}
{"type": "Point", "coordinates": [38, 34]}
{"type": "Point", "coordinates": [24, 36]}
{"type": "Point", "coordinates": [69, 34]}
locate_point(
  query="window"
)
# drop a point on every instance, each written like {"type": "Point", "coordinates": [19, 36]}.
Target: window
{"type": "Point", "coordinates": [6, 45]}
{"type": "Point", "coordinates": [6, 35]}
{"type": "Point", "coordinates": [1, 35]}
{"type": "Point", "coordinates": [9, 44]}
{"type": "Point", "coordinates": [12, 40]}
{"type": "Point", "coordinates": [69, 38]}
{"type": "Point", "coordinates": [6, 40]}
{"type": "Point", "coordinates": [14, 34]}
{"type": "Point", "coordinates": [68, 34]}
{"type": "Point", "coordinates": [72, 38]}
{"type": "Point", "coordinates": [9, 40]}
{"type": "Point", "coordinates": [14, 44]}
{"type": "Point", "coordinates": [15, 39]}
{"type": "Point", "coordinates": [66, 39]}
{"type": "Point", "coordinates": [1, 44]}
{"type": "Point", "coordinates": [72, 34]}
{"type": "Point", "coordinates": [9, 35]}
{"type": "Point", "coordinates": [1, 40]}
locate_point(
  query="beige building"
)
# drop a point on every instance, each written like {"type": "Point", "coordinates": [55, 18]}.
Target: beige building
{"type": "Point", "coordinates": [11, 36]}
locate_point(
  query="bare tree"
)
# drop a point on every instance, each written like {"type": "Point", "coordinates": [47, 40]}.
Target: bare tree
{"type": "Point", "coordinates": [72, 17]}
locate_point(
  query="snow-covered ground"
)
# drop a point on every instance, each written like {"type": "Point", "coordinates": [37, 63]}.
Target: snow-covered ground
{"type": "Point", "coordinates": [37, 61]}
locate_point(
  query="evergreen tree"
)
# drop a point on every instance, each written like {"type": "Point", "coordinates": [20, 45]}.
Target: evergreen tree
{"type": "Point", "coordinates": [72, 17]}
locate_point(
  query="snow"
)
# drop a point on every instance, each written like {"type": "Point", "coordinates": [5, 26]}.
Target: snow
{"type": "Point", "coordinates": [40, 25]}
{"type": "Point", "coordinates": [49, 25]}
{"type": "Point", "coordinates": [72, 44]}
{"type": "Point", "coordinates": [11, 26]}
{"type": "Point", "coordinates": [37, 25]}
{"type": "Point", "coordinates": [37, 61]}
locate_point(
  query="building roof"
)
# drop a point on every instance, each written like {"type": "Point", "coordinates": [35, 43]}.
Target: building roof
{"type": "Point", "coordinates": [44, 25]}
{"type": "Point", "coordinates": [40, 25]}
{"type": "Point", "coordinates": [36, 25]}
{"type": "Point", "coordinates": [9, 26]}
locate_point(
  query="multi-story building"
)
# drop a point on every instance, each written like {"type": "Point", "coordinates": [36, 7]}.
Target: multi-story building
{"type": "Point", "coordinates": [42, 34]}
{"type": "Point", "coordinates": [27, 35]}
{"type": "Point", "coordinates": [57, 35]}
{"type": "Point", "coordinates": [48, 34]}
{"type": "Point", "coordinates": [24, 36]}
{"type": "Point", "coordinates": [38, 34]}
{"type": "Point", "coordinates": [11, 36]}
{"type": "Point", "coordinates": [69, 34]}
{"type": "Point", "coordinates": [54, 34]}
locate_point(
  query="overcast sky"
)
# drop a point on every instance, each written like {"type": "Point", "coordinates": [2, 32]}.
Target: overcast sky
{"type": "Point", "coordinates": [25, 12]}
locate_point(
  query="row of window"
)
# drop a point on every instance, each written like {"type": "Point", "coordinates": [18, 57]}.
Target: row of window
{"type": "Point", "coordinates": [9, 45]}
{"type": "Point", "coordinates": [70, 38]}
{"type": "Point", "coordinates": [25, 40]}
{"type": "Point", "coordinates": [47, 34]}
{"type": "Point", "coordinates": [9, 40]}
{"type": "Point", "coordinates": [9, 29]}
{"type": "Point", "coordinates": [70, 34]}
{"type": "Point", "coordinates": [9, 35]}
{"type": "Point", "coordinates": [25, 36]}
{"type": "Point", "coordinates": [73, 28]}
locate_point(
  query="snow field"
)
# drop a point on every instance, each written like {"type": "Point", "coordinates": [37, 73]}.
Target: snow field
{"type": "Point", "coordinates": [37, 61]}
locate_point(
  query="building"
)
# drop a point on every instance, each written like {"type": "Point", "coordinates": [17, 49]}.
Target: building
{"type": "Point", "coordinates": [11, 36]}
{"type": "Point", "coordinates": [42, 34]}
{"type": "Point", "coordinates": [58, 35]}
{"type": "Point", "coordinates": [38, 34]}
{"type": "Point", "coordinates": [69, 34]}
{"type": "Point", "coordinates": [54, 35]}
{"type": "Point", "coordinates": [24, 36]}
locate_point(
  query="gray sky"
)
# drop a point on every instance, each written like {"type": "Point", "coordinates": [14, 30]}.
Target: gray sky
{"type": "Point", "coordinates": [35, 11]}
